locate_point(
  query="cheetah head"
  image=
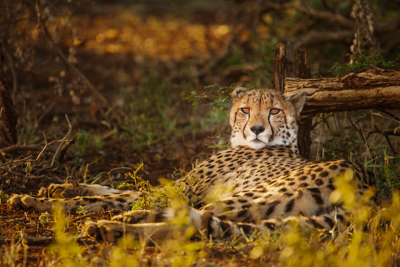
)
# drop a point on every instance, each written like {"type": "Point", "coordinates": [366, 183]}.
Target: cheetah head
{"type": "Point", "coordinates": [264, 117]}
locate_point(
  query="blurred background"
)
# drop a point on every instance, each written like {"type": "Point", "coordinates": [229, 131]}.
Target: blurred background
{"type": "Point", "coordinates": [122, 71]}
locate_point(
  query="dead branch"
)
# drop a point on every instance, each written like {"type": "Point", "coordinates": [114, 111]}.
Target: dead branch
{"type": "Point", "coordinates": [388, 113]}
{"type": "Point", "coordinates": [289, 60]}
{"type": "Point", "coordinates": [31, 240]}
{"type": "Point", "coordinates": [379, 131]}
{"type": "Point", "coordinates": [65, 148]}
{"type": "Point", "coordinates": [332, 18]}
{"type": "Point", "coordinates": [359, 132]}
{"type": "Point", "coordinates": [48, 168]}
{"type": "Point", "coordinates": [305, 123]}
{"type": "Point", "coordinates": [62, 141]}
{"type": "Point", "coordinates": [361, 90]}
{"type": "Point", "coordinates": [313, 37]}
{"type": "Point", "coordinates": [27, 159]}
{"type": "Point", "coordinates": [36, 148]}
{"type": "Point", "coordinates": [34, 177]}
{"type": "Point", "coordinates": [279, 67]}
{"type": "Point", "coordinates": [15, 173]}
{"type": "Point", "coordinates": [39, 147]}
{"type": "Point", "coordinates": [391, 145]}
{"type": "Point", "coordinates": [14, 148]}
{"type": "Point", "coordinates": [304, 67]}
{"type": "Point", "coordinates": [385, 133]}
{"type": "Point", "coordinates": [349, 25]}
{"type": "Point", "coordinates": [32, 226]}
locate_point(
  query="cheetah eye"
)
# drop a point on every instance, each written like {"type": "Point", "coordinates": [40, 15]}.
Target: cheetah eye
{"type": "Point", "coordinates": [274, 111]}
{"type": "Point", "coordinates": [245, 110]}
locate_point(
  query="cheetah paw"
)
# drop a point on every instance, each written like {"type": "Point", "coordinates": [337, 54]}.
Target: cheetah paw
{"type": "Point", "coordinates": [15, 202]}
{"type": "Point", "coordinates": [26, 202]}
{"type": "Point", "coordinates": [67, 190]}
{"type": "Point", "coordinates": [138, 216]}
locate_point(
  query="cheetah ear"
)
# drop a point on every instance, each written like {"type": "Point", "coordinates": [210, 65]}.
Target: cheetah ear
{"type": "Point", "coordinates": [238, 93]}
{"type": "Point", "coordinates": [297, 100]}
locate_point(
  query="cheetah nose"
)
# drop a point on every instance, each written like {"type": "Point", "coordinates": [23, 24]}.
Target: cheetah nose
{"type": "Point", "coordinates": [257, 129]}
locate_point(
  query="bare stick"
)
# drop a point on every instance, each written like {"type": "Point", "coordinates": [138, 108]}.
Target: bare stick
{"type": "Point", "coordinates": [31, 240]}
{"type": "Point", "coordinates": [31, 226]}
{"type": "Point", "coordinates": [14, 148]}
{"type": "Point", "coordinates": [34, 177]}
{"type": "Point", "coordinates": [64, 149]}
{"type": "Point", "coordinates": [27, 159]}
{"type": "Point", "coordinates": [390, 144]}
{"type": "Point", "coordinates": [394, 117]}
{"type": "Point", "coordinates": [381, 132]}
{"type": "Point", "coordinates": [366, 143]}
{"type": "Point", "coordinates": [386, 134]}
{"type": "Point", "coordinates": [62, 140]}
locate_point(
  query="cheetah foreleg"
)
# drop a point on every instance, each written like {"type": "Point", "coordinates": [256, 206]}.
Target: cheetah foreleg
{"type": "Point", "coordinates": [216, 227]}
{"type": "Point", "coordinates": [140, 216]}
{"type": "Point", "coordinates": [333, 220]}
{"type": "Point", "coordinates": [71, 190]}
{"type": "Point", "coordinates": [122, 202]}
{"type": "Point", "coordinates": [112, 231]}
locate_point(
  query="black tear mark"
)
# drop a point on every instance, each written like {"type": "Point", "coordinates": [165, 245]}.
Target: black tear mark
{"type": "Point", "coordinates": [272, 129]}
{"type": "Point", "coordinates": [244, 135]}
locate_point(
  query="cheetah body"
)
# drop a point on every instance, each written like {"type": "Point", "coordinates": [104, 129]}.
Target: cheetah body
{"type": "Point", "coordinates": [261, 177]}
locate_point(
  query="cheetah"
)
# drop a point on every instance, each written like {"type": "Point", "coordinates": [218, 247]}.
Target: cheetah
{"type": "Point", "coordinates": [263, 174]}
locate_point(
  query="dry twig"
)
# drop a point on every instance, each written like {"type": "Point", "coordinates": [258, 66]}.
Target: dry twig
{"type": "Point", "coordinates": [31, 240]}
{"type": "Point", "coordinates": [62, 140]}
{"type": "Point", "coordinates": [14, 148]}
{"type": "Point", "coordinates": [31, 226]}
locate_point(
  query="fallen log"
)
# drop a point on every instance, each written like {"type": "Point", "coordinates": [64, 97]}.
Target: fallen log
{"type": "Point", "coordinates": [369, 89]}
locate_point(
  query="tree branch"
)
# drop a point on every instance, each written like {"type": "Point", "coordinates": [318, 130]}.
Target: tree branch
{"type": "Point", "coordinates": [313, 37]}
{"type": "Point", "coordinates": [386, 134]}
{"type": "Point", "coordinates": [332, 18]}
{"type": "Point", "coordinates": [390, 114]}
